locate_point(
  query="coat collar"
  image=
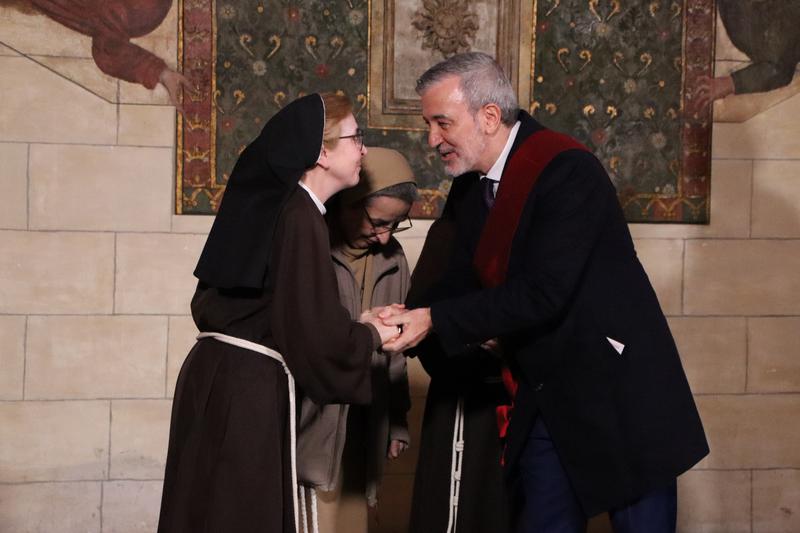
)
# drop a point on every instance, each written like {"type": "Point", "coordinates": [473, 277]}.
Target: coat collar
{"type": "Point", "coordinates": [382, 261]}
{"type": "Point", "coordinates": [528, 126]}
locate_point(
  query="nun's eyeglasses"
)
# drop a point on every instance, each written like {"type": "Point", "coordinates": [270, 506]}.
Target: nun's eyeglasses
{"type": "Point", "coordinates": [358, 138]}
{"type": "Point", "coordinates": [396, 226]}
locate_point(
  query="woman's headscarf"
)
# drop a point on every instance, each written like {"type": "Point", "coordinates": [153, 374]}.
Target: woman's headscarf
{"type": "Point", "coordinates": [380, 168]}
{"type": "Point", "coordinates": [237, 250]}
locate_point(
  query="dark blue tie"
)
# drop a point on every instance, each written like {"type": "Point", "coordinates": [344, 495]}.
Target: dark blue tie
{"type": "Point", "coordinates": [487, 188]}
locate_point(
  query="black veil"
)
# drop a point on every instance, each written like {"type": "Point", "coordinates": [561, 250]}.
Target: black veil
{"type": "Point", "coordinates": [237, 251]}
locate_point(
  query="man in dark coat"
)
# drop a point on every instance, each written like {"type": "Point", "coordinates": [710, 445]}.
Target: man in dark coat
{"type": "Point", "coordinates": [603, 418]}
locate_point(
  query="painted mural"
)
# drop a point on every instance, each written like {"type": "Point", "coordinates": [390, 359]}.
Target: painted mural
{"type": "Point", "coordinates": [112, 24]}
{"type": "Point", "coordinates": [766, 32]}
{"type": "Point", "coordinates": [614, 74]}
{"type": "Point", "coordinates": [631, 79]}
{"type": "Point", "coordinates": [583, 67]}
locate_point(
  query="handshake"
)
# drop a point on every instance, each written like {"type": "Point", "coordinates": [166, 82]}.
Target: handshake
{"type": "Point", "coordinates": [398, 327]}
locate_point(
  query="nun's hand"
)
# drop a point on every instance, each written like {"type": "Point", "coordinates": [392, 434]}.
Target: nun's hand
{"type": "Point", "coordinates": [389, 310]}
{"type": "Point", "coordinates": [396, 447]}
{"type": "Point", "coordinates": [386, 333]}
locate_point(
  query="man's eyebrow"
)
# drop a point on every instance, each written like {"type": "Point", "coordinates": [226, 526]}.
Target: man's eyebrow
{"type": "Point", "coordinates": [438, 117]}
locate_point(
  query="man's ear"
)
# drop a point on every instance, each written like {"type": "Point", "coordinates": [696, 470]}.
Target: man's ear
{"type": "Point", "coordinates": [324, 158]}
{"type": "Point", "coordinates": [491, 118]}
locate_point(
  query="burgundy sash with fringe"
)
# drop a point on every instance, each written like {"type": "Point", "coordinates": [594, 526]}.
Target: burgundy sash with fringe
{"type": "Point", "coordinates": [494, 247]}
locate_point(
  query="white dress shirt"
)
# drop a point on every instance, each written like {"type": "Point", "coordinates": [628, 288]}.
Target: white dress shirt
{"type": "Point", "coordinates": [496, 172]}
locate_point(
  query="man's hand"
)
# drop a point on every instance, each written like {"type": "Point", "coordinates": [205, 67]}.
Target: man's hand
{"type": "Point", "coordinates": [416, 325]}
{"type": "Point", "coordinates": [396, 447]}
{"type": "Point", "coordinates": [173, 82]}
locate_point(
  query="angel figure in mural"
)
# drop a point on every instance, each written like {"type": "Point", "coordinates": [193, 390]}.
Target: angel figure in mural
{"type": "Point", "coordinates": [766, 31]}
{"type": "Point", "coordinates": [112, 24]}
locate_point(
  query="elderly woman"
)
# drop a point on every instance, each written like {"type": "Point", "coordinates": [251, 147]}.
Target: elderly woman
{"type": "Point", "coordinates": [342, 449]}
{"type": "Point", "coordinates": [268, 308]}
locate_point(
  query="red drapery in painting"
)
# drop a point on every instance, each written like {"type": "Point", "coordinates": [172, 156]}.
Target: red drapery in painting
{"type": "Point", "coordinates": [112, 24]}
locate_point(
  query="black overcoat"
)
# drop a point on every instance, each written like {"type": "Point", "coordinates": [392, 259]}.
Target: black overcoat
{"type": "Point", "coordinates": [622, 423]}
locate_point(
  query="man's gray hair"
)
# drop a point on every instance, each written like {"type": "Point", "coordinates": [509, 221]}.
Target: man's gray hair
{"type": "Point", "coordinates": [407, 192]}
{"type": "Point", "coordinates": [482, 81]}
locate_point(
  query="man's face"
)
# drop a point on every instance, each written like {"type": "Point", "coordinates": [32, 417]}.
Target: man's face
{"type": "Point", "coordinates": [452, 129]}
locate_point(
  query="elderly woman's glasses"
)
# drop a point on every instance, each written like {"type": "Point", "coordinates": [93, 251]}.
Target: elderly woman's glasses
{"type": "Point", "coordinates": [358, 138]}
{"type": "Point", "coordinates": [395, 226]}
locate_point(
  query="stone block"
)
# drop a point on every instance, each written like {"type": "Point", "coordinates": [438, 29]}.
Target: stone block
{"type": "Point", "coordinates": [770, 134]}
{"type": "Point", "coordinates": [147, 125]}
{"type": "Point", "coordinates": [139, 436]}
{"type": "Point", "coordinates": [41, 106]}
{"type": "Point", "coordinates": [776, 197]}
{"type": "Point", "coordinates": [56, 273]}
{"type": "Point", "coordinates": [663, 261]}
{"type": "Point", "coordinates": [182, 336]}
{"type": "Point", "coordinates": [714, 502]}
{"type": "Point", "coordinates": [131, 506]}
{"type": "Point", "coordinates": [738, 277]}
{"type": "Point", "coordinates": [53, 441]}
{"type": "Point", "coordinates": [50, 507]}
{"type": "Point", "coordinates": [199, 224]}
{"type": "Point", "coordinates": [774, 355]}
{"type": "Point", "coordinates": [103, 188]}
{"type": "Point", "coordinates": [14, 185]}
{"type": "Point", "coordinates": [776, 501]}
{"type": "Point", "coordinates": [12, 357]}
{"type": "Point", "coordinates": [713, 352]}
{"type": "Point", "coordinates": [83, 357]}
{"type": "Point", "coordinates": [154, 272]}
{"type": "Point", "coordinates": [751, 431]}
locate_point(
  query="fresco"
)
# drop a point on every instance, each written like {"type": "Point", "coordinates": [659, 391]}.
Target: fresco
{"type": "Point", "coordinates": [579, 66]}
{"type": "Point", "coordinates": [112, 24]}
{"type": "Point", "coordinates": [583, 67]}
{"type": "Point", "coordinates": [615, 75]}
{"type": "Point", "coordinates": [758, 50]}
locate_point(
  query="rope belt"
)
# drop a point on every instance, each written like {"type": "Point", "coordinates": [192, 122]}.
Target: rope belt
{"type": "Point", "coordinates": [263, 350]}
{"type": "Point", "coordinates": [304, 519]}
{"type": "Point", "coordinates": [456, 462]}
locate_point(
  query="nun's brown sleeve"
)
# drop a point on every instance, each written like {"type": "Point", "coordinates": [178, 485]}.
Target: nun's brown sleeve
{"type": "Point", "coordinates": [328, 354]}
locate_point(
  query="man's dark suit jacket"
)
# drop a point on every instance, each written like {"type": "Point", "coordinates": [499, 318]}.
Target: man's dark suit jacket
{"type": "Point", "coordinates": [622, 424]}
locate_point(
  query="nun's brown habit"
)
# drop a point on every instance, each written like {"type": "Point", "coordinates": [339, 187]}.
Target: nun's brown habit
{"type": "Point", "coordinates": [266, 277]}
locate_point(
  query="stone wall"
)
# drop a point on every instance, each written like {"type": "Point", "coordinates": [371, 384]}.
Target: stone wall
{"type": "Point", "coordinates": [95, 282]}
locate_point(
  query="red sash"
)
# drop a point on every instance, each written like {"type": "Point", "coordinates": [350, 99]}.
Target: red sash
{"type": "Point", "coordinates": [494, 247]}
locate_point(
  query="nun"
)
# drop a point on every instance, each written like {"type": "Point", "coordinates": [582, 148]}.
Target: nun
{"type": "Point", "coordinates": [272, 328]}
{"type": "Point", "coordinates": [342, 449]}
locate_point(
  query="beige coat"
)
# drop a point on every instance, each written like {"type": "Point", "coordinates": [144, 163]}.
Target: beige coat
{"type": "Point", "coordinates": [321, 432]}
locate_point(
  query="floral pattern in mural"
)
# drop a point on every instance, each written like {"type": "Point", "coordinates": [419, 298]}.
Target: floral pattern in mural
{"type": "Point", "coordinates": [447, 26]}
{"type": "Point", "coordinates": [594, 77]}
{"type": "Point", "coordinates": [622, 95]}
